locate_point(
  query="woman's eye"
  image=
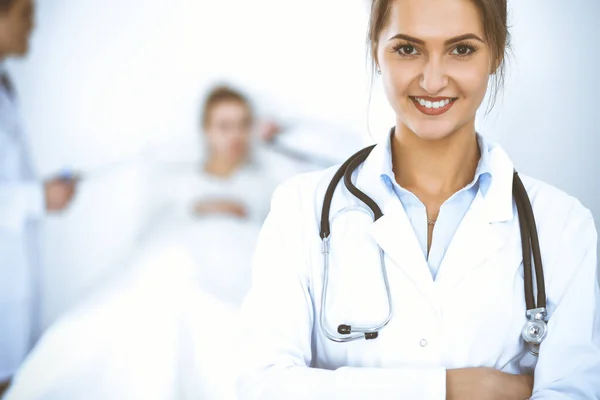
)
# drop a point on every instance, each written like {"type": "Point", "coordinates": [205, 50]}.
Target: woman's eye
{"type": "Point", "coordinates": [407, 50]}
{"type": "Point", "coordinates": [462, 51]}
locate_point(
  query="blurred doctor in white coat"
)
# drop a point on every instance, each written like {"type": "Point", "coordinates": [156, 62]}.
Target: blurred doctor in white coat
{"type": "Point", "coordinates": [23, 201]}
{"type": "Point", "coordinates": [450, 239]}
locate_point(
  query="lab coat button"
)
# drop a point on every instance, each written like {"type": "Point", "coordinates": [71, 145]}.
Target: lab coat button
{"type": "Point", "coordinates": [423, 342]}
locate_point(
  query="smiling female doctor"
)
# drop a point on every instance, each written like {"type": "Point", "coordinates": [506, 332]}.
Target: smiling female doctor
{"type": "Point", "coordinates": [449, 234]}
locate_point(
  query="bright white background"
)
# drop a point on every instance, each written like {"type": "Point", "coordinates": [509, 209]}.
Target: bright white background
{"type": "Point", "coordinates": [108, 79]}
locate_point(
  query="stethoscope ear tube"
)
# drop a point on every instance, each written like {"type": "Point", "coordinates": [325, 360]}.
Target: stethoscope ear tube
{"type": "Point", "coordinates": [536, 328]}
{"type": "Point", "coordinates": [325, 227]}
{"type": "Point", "coordinates": [347, 332]}
{"type": "Point", "coordinates": [356, 192]}
{"type": "Point", "coordinates": [525, 246]}
{"type": "Point", "coordinates": [534, 239]}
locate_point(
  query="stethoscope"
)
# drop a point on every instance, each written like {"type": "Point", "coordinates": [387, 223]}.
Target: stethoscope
{"type": "Point", "coordinates": [535, 329]}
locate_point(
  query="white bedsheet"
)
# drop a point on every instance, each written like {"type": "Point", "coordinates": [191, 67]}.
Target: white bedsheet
{"type": "Point", "coordinates": [165, 329]}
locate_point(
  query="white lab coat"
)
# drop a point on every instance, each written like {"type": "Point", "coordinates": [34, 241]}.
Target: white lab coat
{"type": "Point", "coordinates": [470, 316]}
{"type": "Point", "coordinates": [21, 206]}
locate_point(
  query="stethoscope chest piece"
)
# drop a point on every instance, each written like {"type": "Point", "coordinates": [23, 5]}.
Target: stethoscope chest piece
{"type": "Point", "coordinates": [535, 329]}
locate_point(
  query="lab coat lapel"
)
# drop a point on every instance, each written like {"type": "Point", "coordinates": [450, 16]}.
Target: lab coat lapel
{"type": "Point", "coordinates": [395, 235]}
{"type": "Point", "coordinates": [393, 232]}
{"type": "Point", "coordinates": [476, 239]}
{"type": "Point", "coordinates": [483, 231]}
{"type": "Point", "coordinates": [480, 235]}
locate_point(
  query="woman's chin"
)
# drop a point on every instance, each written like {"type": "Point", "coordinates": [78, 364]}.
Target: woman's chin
{"type": "Point", "coordinates": [433, 130]}
{"type": "Point", "coordinates": [433, 134]}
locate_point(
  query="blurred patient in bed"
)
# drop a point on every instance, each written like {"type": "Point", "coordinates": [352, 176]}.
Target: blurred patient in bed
{"type": "Point", "coordinates": [213, 209]}
{"type": "Point", "coordinates": [151, 333]}
{"type": "Point", "coordinates": [230, 181]}
{"type": "Point", "coordinates": [166, 329]}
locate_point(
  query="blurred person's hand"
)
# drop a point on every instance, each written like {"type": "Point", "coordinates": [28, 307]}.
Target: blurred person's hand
{"type": "Point", "coordinates": [220, 206]}
{"type": "Point", "coordinates": [58, 193]}
{"type": "Point", "coordinates": [267, 130]}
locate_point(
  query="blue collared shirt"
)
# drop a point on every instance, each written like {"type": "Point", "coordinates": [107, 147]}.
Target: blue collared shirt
{"type": "Point", "coordinates": [451, 212]}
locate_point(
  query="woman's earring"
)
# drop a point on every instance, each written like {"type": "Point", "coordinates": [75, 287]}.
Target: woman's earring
{"type": "Point", "coordinates": [378, 71]}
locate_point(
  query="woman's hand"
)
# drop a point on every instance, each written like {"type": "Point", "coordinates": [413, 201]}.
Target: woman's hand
{"type": "Point", "coordinates": [220, 206]}
{"type": "Point", "coordinates": [487, 384]}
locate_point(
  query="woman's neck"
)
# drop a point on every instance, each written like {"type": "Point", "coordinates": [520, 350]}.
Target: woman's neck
{"type": "Point", "coordinates": [435, 168]}
{"type": "Point", "coordinates": [222, 167]}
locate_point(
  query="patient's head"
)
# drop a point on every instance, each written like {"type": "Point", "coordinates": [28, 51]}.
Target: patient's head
{"type": "Point", "coordinates": [227, 122]}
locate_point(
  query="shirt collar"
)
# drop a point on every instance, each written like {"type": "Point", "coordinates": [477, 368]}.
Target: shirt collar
{"type": "Point", "coordinates": [498, 200]}
{"type": "Point", "coordinates": [482, 178]}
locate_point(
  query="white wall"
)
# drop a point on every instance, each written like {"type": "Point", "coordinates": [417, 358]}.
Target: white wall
{"type": "Point", "coordinates": [106, 79]}
{"type": "Point", "coordinates": [548, 120]}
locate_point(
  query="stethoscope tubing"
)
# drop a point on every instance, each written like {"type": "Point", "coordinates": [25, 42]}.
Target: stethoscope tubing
{"type": "Point", "coordinates": [535, 329]}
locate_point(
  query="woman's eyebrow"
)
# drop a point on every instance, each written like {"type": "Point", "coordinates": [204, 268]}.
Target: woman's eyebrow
{"type": "Point", "coordinates": [447, 42]}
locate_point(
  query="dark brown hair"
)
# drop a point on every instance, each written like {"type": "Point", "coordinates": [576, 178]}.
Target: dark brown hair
{"type": "Point", "coordinates": [5, 5]}
{"type": "Point", "coordinates": [494, 18]}
{"type": "Point", "coordinates": [221, 94]}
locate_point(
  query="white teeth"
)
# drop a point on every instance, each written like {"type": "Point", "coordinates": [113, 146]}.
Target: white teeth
{"type": "Point", "coordinates": [434, 104]}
